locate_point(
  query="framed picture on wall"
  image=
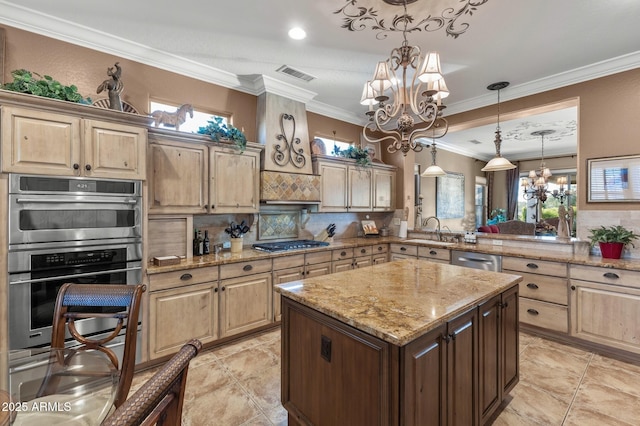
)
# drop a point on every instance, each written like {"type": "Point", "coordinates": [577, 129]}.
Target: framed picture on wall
{"type": "Point", "coordinates": [374, 151]}
{"type": "Point", "coordinates": [613, 179]}
{"type": "Point", "coordinates": [450, 196]}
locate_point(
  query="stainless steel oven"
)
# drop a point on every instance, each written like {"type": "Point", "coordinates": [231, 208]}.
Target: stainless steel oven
{"type": "Point", "coordinates": [67, 230]}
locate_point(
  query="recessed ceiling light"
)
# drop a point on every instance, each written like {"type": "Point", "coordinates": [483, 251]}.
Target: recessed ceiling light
{"type": "Point", "coordinates": [297, 33]}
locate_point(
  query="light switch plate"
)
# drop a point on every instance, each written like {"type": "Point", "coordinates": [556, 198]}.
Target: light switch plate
{"type": "Point", "coordinates": [396, 221]}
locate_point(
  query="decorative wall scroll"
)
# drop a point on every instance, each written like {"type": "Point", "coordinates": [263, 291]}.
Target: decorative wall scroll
{"type": "Point", "coordinates": [614, 179]}
{"type": "Point", "coordinates": [286, 152]}
{"type": "Point", "coordinates": [450, 196]}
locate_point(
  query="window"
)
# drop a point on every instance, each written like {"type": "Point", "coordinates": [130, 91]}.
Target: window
{"type": "Point", "coordinates": [330, 145]}
{"type": "Point", "coordinates": [190, 125]}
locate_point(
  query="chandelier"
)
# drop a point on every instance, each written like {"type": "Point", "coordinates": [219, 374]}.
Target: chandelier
{"type": "Point", "coordinates": [498, 162]}
{"type": "Point", "coordinates": [413, 109]}
{"type": "Point", "coordinates": [562, 193]}
{"type": "Point", "coordinates": [536, 184]}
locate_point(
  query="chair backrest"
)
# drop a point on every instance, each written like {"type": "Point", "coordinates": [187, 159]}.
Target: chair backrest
{"type": "Point", "coordinates": [159, 400]}
{"type": "Point", "coordinates": [517, 227]}
{"type": "Point", "coordinates": [495, 229]}
{"type": "Point", "coordinates": [82, 301]}
{"type": "Point", "coordinates": [485, 228]}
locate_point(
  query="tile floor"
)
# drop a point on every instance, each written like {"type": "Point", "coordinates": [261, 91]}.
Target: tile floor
{"type": "Point", "coordinates": [239, 384]}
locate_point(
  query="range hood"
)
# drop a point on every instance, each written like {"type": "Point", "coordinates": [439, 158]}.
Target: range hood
{"type": "Point", "coordinates": [286, 175]}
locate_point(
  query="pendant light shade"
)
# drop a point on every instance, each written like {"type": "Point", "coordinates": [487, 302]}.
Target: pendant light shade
{"type": "Point", "coordinates": [433, 170]}
{"type": "Point", "coordinates": [498, 163]}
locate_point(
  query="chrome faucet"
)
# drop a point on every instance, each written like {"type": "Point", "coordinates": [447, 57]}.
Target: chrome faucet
{"type": "Point", "coordinates": [426, 221]}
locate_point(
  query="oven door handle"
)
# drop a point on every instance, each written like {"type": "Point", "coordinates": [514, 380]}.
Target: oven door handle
{"type": "Point", "coordinates": [64, 277]}
{"type": "Point", "coordinates": [57, 201]}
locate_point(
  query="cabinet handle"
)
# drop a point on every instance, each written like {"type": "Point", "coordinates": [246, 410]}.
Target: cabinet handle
{"type": "Point", "coordinates": [363, 251]}
{"type": "Point", "coordinates": [446, 338]}
{"type": "Point", "coordinates": [215, 290]}
{"type": "Point", "coordinates": [532, 266]}
{"type": "Point", "coordinates": [303, 273]}
{"type": "Point", "coordinates": [532, 311]}
{"type": "Point", "coordinates": [503, 305]}
{"type": "Point", "coordinates": [573, 287]}
{"type": "Point", "coordinates": [87, 167]}
{"type": "Point", "coordinates": [403, 249]}
{"type": "Point", "coordinates": [213, 206]}
{"type": "Point", "coordinates": [344, 253]}
{"type": "Point", "coordinates": [433, 252]}
{"type": "Point", "coordinates": [379, 248]}
{"type": "Point", "coordinates": [76, 166]}
{"type": "Point", "coordinates": [611, 275]}
{"type": "Point", "coordinates": [453, 336]}
{"type": "Point", "coordinates": [185, 277]}
{"type": "Point", "coordinates": [223, 288]}
{"type": "Point", "coordinates": [247, 268]}
{"type": "Point", "coordinates": [532, 286]}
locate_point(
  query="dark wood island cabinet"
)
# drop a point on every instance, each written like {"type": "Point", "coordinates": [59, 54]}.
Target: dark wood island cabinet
{"type": "Point", "coordinates": [403, 343]}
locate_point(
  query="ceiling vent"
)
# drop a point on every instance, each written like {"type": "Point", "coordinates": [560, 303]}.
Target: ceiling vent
{"type": "Point", "coordinates": [475, 141]}
{"type": "Point", "coordinates": [286, 69]}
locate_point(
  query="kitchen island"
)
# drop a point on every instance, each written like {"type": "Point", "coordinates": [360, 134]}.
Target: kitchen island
{"type": "Point", "coordinates": [409, 342]}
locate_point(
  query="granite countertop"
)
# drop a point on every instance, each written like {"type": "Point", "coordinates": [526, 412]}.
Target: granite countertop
{"type": "Point", "coordinates": [398, 301]}
{"type": "Point", "coordinates": [539, 253]}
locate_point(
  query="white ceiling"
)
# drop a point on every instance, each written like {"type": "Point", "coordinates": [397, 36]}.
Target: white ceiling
{"type": "Point", "coordinates": [536, 45]}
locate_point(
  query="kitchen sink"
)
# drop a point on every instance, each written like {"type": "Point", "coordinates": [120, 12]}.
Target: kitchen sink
{"type": "Point", "coordinates": [431, 242]}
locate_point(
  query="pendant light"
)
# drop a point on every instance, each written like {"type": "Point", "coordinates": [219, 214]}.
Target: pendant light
{"type": "Point", "coordinates": [433, 170]}
{"type": "Point", "coordinates": [498, 162]}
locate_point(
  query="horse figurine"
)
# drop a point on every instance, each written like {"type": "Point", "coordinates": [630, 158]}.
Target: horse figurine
{"type": "Point", "coordinates": [172, 119]}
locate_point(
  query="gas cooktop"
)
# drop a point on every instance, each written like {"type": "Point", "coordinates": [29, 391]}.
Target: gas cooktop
{"type": "Point", "coordinates": [289, 245]}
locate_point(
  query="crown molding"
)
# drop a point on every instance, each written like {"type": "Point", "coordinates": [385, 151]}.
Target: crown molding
{"type": "Point", "coordinates": [336, 113]}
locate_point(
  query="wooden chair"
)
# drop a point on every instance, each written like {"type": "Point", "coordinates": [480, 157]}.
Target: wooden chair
{"type": "Point", "coordinates": [82, 301]}
{"type": "Point", "coordinates": [159, 401]}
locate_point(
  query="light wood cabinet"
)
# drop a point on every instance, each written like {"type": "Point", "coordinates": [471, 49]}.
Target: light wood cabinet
{"type": "Point", "coordinates": [403, 251]}
{"type": "Point", "coordinates": [544, 299]}
{"type": "Point", "coordinates": [379, 253]}
{"type": "Point", "coordinates": [178, 181]}
{"type": "Point", "coordinates": [234, 185]}
{"type": "Point", "coordinates": [346, 186]}
{"type": "Point", "coordinates": [183, 305]}
{"type": "Point", "coordinates": [43, 142]}
{"type": "Point", "coordinates": [605, 306]}
{"type": "Point", "coordinates": [433, 254]}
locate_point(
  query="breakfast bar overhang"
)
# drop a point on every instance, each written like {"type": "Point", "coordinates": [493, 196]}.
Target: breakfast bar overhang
{"type": "Point", "coordinates": [409, 342]}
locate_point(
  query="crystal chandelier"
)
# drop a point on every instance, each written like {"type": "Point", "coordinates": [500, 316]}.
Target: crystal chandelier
{"type": "Point", "coordinates": [416, 86]}
{"type": "Point", "coordinates": [498, 162]}
{"type": "Point", "coordinates": [536, 184]}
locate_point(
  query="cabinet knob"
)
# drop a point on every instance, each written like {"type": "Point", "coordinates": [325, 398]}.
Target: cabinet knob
{"type": "Point", "coordinates": [573, 287]}
{"type": "Point", "coordinates": [433, 252]}
{"type": "Point", "coordinates": [87, 167]}
{"type": "Point", "coordinates": [185, 277]}
{"type": "Point", "coordinates": [213, 206]}
{"type": "Point", "coordinates": [344, 253]}
{"type": "Point", "coordinates": [215, 290]}
{"type": "Point", "coordinates": [76, 166]}
{"type": "Point", "coordinates": [532, 286]}
{"type": "Point", "coordinates": [247, 268]}
{"type": "Point", "coordinates": [403, 249]}
{"type": "Point", "coordinates": [446, 338]}
{"type": "Point", "coordinates": [532, 266]}
{"type": "Point", "coordinates": [363, 251]}
{"type": "Point", "coordinates": [532, 311]}
{"type": "Point", "coordinates": [611, 275]}
{"type": "Point", "coordinates": [379, 248]}
{"type": "Point", "coordinates": [223, 288]}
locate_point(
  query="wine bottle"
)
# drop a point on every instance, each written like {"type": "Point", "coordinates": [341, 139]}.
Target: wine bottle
{"type": "Point", "coordinates": [200, 243]}
{"type": "Point", "coordinates": [206, 244]}
{"type": "Point", "coordinates": [196, 244]}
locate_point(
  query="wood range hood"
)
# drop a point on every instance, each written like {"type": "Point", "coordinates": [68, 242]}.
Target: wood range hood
{"type": "Point", "coordinates": [286, 175]}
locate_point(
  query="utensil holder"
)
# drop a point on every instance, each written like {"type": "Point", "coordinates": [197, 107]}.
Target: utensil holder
{"type": "Point", "coordinates": [236, 245]}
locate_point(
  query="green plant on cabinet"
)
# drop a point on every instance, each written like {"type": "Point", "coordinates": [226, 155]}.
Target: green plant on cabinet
{"type": "Point", "coordinates": [32, 83]}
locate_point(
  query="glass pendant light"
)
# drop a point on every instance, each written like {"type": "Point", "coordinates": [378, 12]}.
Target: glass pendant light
{"type": "Point", "coordinates": [433, 170]}
{"type": "Point", "coordinates": [498, 162]}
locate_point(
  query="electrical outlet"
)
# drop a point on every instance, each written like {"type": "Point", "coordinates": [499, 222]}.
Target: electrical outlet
{"type": "Point", "coordinates": [396, 221]}
{"type": "Point", "coordinates": [226, 244]}
{"type": "Point", "coordinates": [325, 348]}
{"type": "Point", "coordinates": [497, 242]}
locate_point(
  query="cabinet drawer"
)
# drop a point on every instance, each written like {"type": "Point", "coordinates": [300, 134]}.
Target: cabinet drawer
{"type": "Point", "coordinates": [544, 315]}
{"type": "Point", "coordinates": [407, 250]}
{"type": "Point", "coordinates": [543, 267]}
{"type": "Point", "coordinates": [362, 251]}
{"type": "Point", "coordinates": [245, 268]}
{"type": "Point", "coordinates": [542, 287]}
{"type": "Point", "coordinates": [342, 254]}
{"type": "Point", "coordinates": [288, 261]}
{"type": "Point", "coordinates": [317, 257]}
{"type": "Point", "coordinates": [182, 278]}
{"type": "Point", "coordinates": [434, 253]}
{"type": "Point", "coordinates": [606, 275]}
{"type": "Point", "coordinates": [380, 248]}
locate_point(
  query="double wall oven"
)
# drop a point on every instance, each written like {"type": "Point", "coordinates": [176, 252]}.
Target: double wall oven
{"type": "Point", "coordinates": [63, 230]}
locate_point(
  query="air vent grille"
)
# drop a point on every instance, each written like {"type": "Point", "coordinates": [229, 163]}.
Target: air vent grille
{"type": "Point", "coordinates": [285, 69]}
{"type": "Point", "coordinates": [475, 141]}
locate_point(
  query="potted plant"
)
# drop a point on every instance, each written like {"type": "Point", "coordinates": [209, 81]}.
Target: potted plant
{"type": "Point", "coordinates": [219, 131]}
{"type": "Point", "coordinates": [612, 240]}
{"type": "Point", "coordinates": [32, 83]}
{"type": "Point", "coordinates": [361, 155]}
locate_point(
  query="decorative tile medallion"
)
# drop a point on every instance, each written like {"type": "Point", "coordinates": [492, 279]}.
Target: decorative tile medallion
{"type": "Point", "coordinates": [277, 225]}
{"type": "Point", "coordinates": [277, 186]}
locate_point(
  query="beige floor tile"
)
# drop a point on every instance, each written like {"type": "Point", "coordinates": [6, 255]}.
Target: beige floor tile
{"type": "Point", "coordinates": [608, 402]}
{"type": "Point", "coordinates": [613, 375]}
{"type": "Point", "coordinates": [264, 387]}
{"type": "Point", "coordinates": [228, 406]}
{"type": "Point", "coordinates": [205, 379]}
{"type": "Point", "coordinates": [584, 416]}
{"type": "Point", "coordinates": [557, 381]}
{"type": "Point", "coordinates": [260, 420]}
{"type": "Point", "coordinates": [248, 362]}
{"type": "Point", "coordinates": [532, 406]}
{"type": "Point", "coordinates": [560, 357]}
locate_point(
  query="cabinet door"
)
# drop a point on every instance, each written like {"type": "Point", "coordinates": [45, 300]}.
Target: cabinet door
{"type": "Point", "coordinates": [284, 276]}
{"type": "Point", "coordinates": [341, 265]}
{"type": "Point", "coordinates": [362, 261]}
{"type": "Point", "coordinates": [359, 190]}
{"type": "Point", "coordinates": [114, 151]}
{"type": "Point", "coordinates": [245, 303]}
{"type": "Point", "coordinates": [317, 269]}
{"type": "Point", "coordinates": [179, 178]}
{"type": "Point", "coordinates": [511, 339]}
{"type": "Point", "coordinates": [235, 184]}
{"type": "Point", "coordinates": [425, 380]}
{"type": "Point", "coordinates": [462, 369]}
{"type": "Point", "coordinates": [490, 357]}
{"type": "Point", "coordinates": [334, 187]}
{"type": "Point", "coordinates": [180, 314]}
{"type": "Point", "coordinates": [606, 314]}
{"type": "Point", "coordinates": [37, 142]}
{"type": "Point", "coordinates": [383, 184]}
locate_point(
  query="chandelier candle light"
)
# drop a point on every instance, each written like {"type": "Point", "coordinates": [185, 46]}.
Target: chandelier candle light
{"type": "Point", "coordinates": [535, 186]}
{"type": "Point", "coordinates": [413, 97]}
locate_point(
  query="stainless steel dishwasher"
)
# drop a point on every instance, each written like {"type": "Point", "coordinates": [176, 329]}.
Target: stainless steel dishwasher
{"type": "Point", "coordinates": [487, 262]}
